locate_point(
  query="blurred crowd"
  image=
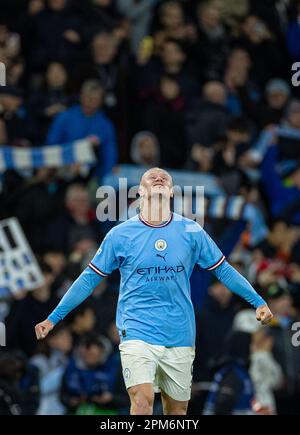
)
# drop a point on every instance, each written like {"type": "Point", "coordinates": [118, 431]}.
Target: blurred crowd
{"type": "Point", "coordinates": [203, 86]}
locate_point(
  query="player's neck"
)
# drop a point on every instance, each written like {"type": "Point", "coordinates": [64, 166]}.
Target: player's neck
{"type": "Point", "coordinates": [156, 212]}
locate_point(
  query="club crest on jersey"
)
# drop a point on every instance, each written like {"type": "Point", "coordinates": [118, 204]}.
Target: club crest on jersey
{"type": "Point", "coordinates": [160, 245]}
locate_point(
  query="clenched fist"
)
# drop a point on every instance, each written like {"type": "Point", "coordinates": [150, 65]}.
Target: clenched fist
{"type": "Point", "coordinates": [42, 329]}
{"type": "Point", "coordinates": [264, 314]}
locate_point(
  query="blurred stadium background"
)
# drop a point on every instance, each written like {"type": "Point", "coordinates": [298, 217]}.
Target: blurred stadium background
{"type": "Point", "coordinates": [202, 88]}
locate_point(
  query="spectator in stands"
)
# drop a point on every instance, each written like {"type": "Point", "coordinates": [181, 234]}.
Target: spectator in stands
{"type": "Point", "coordinates": [87, 119]}
{"type": "Point", "coordinates": [9, 44]}
{"type": "Point", "coordinates": [139, 13]}
{"type": "Point", "coordinates": [89, 379]}
{"type": "Point", "coordinates": [164, 116]}
{"type": "Point", "coordinates": [293, 36]}
{"type": "Point", "coordinates": [276, 15]}
{"type": "Point", "coordinates": [203, 118]}
{"type": "Point", "coordinates": [232, 391]}
{"type": "Point", "coordinates": [51, 100]}
{"type": "Point", "coordinates": [39, 201]}
{"type": "Point", "coordinates": [81, 321]}
{"type": "Point", "coordinates": [104, 301]}
{"type": "Point", "coordinates": [19, 388]}
{"type": "Point", "coordinates": [106, 64]}
{"type": "Point", "coordinates": [201, 158]}
{"type": "Point", "coordinates": [212, 45]}
{"type": "Point", "coordinates": [20, 328]}
{"type": "Point", "coordinates": [174, 63]}
{"type": "Point", "coordinates": [51, 359]}
{"type": "Point", "coordinates": [238, 135]}
{"type": "Point", "coordinates": [285, 353]}
{"type": "Point", "coordinates": [286, 135]}
{"type": "Point", "coordinates": [28, 382]}
{"type": "Point", "coordinates": [15, 72]}
{"type": "Point", "coordinates": [265, 371]}
{"type": "Point", "coordinates": [228, 162]}
{"type": "Point", "coordinates": [274, 259]}
{"type": "Point", "coordinates": [214, 323]}
{"type": "Point", "coordinates": [171, 62]}
{"type": "Point", "coordinates": [172, 23]}
{"type": "Point", "coordinates": [294, 277]}
{"type": "Point", "coordinates": [11, 398]}
{"type": "Point", "coordinates": [80, 256]}
{"type": "Point", "coordinates": [279, 243]}
{"type": "Point", "coordinates": [269, 110]}
{"type": "Point", "coordinates": [283, 198]}
{"type": "Point", "coordinates": [233, 11]}
{"type": "Point", "coordinates": [121, 400]}
{"type": "Point", "coordinates": [14, 121]}
{"type": "Point", "coordinates": [99, 16]}
{"type": "Point", "coordinates": [293, 115]}
{"type": "Point", "coordinates": [237, 75]}
{"type": "Point", "coordinates": [10, 54]}
{"type": "Point", "coordinates": [35, 6]}
{"type": "Point", "coordinates": [58, 262]}
{"type": "Point", "coordinates": [52, 34]}
{"type": "Point", "coordinates": [145, 149]}
{"type": "Point", "coordinates": [257, 39]}
{"type": "Point", "coordinates": [76, 222]}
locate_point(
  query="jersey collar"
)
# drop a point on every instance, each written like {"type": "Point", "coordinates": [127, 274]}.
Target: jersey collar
{"type": "Point", "coordinates": [164, 224]}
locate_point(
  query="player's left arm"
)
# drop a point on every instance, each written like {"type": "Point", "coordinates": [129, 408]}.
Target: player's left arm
{"type": "Point", "coordinates": [239, 285]}
{"type": "Point", "coordinates": [212, 259]}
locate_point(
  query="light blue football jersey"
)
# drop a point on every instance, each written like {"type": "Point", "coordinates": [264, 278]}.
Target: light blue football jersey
{"type": "Point", "coordinates": [155, 264]}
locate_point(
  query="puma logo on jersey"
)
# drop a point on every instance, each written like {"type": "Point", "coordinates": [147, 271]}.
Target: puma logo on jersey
{"type": "Point", "coordinates": [162, 256]}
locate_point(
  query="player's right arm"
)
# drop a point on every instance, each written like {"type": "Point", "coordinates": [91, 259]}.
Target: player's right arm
{"type": "Point", "coordinates": [103, 263]}
{"type": "Point", "coordinates": [81, 289]}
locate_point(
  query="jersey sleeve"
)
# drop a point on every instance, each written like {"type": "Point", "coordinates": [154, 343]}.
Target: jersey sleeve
{"type": "Point", "coordinates": [105, 260]}
{"type": "Point", "coordinates": [209, 255]}
{"type": "Point", "coordinates": [81, 289]}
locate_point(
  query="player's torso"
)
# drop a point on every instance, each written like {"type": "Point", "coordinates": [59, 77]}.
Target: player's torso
{"type": "Point", "coordinates": [157, 258]}
{"type": "Point", "coordinates": [154, 302]}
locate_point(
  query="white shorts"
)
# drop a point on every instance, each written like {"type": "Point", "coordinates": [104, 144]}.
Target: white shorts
{"type": "Point", "coordinates": [167, 368]}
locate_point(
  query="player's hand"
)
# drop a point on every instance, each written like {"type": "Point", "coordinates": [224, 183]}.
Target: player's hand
{"type": "Point", "coordinates": [264, 314]}
{"type": "Point", "coordinates": [42, 329]}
